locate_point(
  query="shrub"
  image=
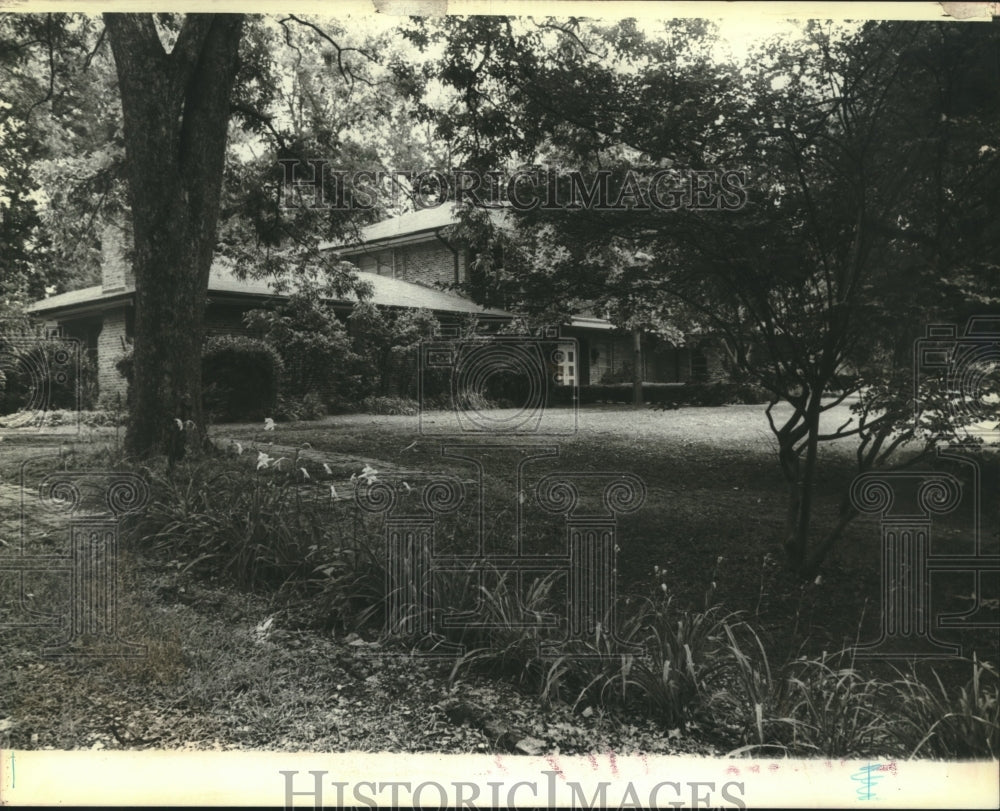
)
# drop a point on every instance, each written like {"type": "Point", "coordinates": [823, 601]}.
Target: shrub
{"type": "Point", "coordinates": [313, 407]}
{"type": "Point", "coordinates": [125, 364]}
{"type": "Point", "coordinates": [100, 418]}
{"type": "Point", "coordinates": [388, 341]}
{"type": "Point", "coordinates": [314, 346]}
{"type": "Point", "coordinates": [308, 407]}
{"type": "Point", "coordinates": [668, 395]}
{"type": "Point", "coordinates": [240, 378]}
{"type": "Point", "coordinates": [111, 401]}
{"type": "Point", "coordinates": [288, 409]}
{"type": "Point", "coordinates": [622, 375]}
{"type": "Point", "coordinates": [390, 405]}
{"type": "Point", "coordinates": [97, 418]}
{"type": "Point", "coordinates": [46, 364]}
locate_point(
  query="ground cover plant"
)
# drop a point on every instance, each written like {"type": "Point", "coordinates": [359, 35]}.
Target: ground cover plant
{"type": "Point", "coordinates": [252, 558]}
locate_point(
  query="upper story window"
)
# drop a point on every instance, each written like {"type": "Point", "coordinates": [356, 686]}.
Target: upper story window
{"type": "Point", "coordinates": [386, 264]}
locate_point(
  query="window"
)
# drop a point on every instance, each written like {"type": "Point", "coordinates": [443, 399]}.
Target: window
{"type": "Point", "coordinates": [699, 366]}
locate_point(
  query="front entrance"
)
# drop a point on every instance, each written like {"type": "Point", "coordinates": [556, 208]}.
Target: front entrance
{"type": "Point", "coordinates": [568, 365]}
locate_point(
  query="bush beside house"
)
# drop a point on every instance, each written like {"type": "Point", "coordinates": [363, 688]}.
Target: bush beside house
{"type": "Point", "coordinates": [22, 368]}
{"type": "Point", "coordinates": [240, 378]}
{"type": "Point", "coordinates": [669, 395]}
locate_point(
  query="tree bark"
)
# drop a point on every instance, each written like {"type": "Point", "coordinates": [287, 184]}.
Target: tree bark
{"type": "Point", "coordinates": [799, 542]}
{"type": "Point", "coordinates": [636, 366]}
{"type": "Point", "coordinates": [176, 116]}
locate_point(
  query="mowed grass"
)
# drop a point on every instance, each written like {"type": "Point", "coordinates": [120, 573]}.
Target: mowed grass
{"type": "Point", "coordinates": [713, 490]}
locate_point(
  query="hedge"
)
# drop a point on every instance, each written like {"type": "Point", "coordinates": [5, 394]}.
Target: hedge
{"type": "Point", "coordinates": [667, 395]}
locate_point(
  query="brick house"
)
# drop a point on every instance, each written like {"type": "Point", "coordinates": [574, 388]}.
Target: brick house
{"type": "Point", "coordinates": [414, 247]}
{"type": "Point", "coordinates": [409, 262]}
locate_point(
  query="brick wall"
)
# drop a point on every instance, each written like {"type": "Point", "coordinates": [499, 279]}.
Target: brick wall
{"type": "Point", "coordinates": [430, 263]}
{"type": "Point", "coordinates": [116, 265]}
{"type": "Point", "coordinates": [109, 351]}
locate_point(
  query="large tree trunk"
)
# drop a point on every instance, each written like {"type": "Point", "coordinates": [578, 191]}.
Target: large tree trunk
{"type": "Point", "coordinates": [176, 116]}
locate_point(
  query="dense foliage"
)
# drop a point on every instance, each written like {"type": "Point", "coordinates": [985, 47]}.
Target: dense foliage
{"type": "Point", "coordinates": [240, 377]}
{"type": "Point", "coordinates": [819, 206]}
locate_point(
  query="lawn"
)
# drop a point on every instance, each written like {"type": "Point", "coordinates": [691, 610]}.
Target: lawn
{"type": "Point", "coordinates": [238, 660]}
{"type": "Point", "coordinates": [714, 489]}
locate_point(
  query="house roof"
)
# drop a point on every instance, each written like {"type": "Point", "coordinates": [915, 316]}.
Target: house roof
{"type": "Point", "coordinates": [386, 292]}
{"type": "Point", "coordinates": [402, 229]}
{"type": "Point", "coordinates": [85, 295]}
{"type": "Point", "coordinates": [395, 292]}
{"type": "Point", "coordinates": [413, 222]}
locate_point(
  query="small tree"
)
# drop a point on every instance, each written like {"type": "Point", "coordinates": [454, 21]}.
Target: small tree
{"type": "Point", "coordinates": [388, 341]}
{"type": "Point", "coordinates": [856, 219]}
{"type": "Point", "coordinates": [317, 352]}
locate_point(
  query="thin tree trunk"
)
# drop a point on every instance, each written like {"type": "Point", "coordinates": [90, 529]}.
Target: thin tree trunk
{"type": "Point", "coordinates": [810, 567]}
{"type": "Point", "coordinates": [806, 480]}
{"type": "Point", "coordinates": [637, 366]}
{"type": "Point", "coordinates": [800, 474]}
{"type": "Point", "coordinates": [793, 542]}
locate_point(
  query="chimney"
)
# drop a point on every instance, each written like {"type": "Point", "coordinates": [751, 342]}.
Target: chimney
{"type": "Point", "coordinates": [116, 258]}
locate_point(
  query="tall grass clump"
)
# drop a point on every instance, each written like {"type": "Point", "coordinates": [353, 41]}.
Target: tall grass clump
{"type": "Point", "coordinates": [506, 629]}
{"type": "Point", "coordinates": [930, 722]}
{"type": "Point", "coordinates": [832, 709]}
{"type": "Point", "coordinates": [651, 658]}
{"type": "Point", "coordinates": [804, 707]}
{"type": "Point", "coordinates": [351, 582]}
{"type": "Point", "coordinates": [252, 528]}
{"type": "Point", "coordinates": [685, 656]}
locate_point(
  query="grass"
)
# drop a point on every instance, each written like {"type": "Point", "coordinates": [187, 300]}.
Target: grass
{"type": "Point", "coordinates": [935, 721]}
{"type": "Point", "coordinates": [713, 489]}
{"type": "Point", "coordinates": [243, 584]}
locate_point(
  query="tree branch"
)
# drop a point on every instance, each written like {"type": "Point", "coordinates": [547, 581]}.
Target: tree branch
{"type": "Point", "coordinates": [267, 120]}
{"type": "Point", "coordinates": [345, 70]}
